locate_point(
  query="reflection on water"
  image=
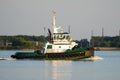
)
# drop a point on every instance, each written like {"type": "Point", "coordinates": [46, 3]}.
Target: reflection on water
{"type": "Point", "coordinates": [104, 65]}
{"type": "Point", "coordinates": [58, 70]}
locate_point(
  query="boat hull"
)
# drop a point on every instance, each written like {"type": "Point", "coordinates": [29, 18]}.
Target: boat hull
{"type": "Point", "coordinates": [54, 56]}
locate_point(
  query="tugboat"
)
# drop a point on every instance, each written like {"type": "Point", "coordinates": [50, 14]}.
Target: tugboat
{"type": "Point", "coordinates": [59, 47]}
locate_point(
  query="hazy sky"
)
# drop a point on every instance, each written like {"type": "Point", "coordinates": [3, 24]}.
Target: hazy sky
{"type": "Point", "coordinates": [29, 17]}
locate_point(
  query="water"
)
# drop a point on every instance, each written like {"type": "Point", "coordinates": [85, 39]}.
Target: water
{"type": "Point", "coordinates": [104, 66]}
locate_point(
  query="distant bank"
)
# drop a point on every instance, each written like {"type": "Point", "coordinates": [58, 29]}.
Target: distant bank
{"type": "Point", "coordinates": [96, 49]}
{"type": "Point", "coordinates": [106, 49]}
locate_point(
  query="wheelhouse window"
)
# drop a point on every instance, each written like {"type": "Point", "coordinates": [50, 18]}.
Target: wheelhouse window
{"type": "Point", "coordinates": [59, 46]}
{"type": "Point", "coordinates": [49, 47]}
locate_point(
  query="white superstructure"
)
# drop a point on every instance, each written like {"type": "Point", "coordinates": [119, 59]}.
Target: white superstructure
{"type": "Point", "coordinates": [61, 41]}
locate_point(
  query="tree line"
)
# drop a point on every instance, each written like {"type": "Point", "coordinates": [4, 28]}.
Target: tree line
{"type": "Point", "coordinates": [105, 41]}
{"type": "Point", "coordinates": [37, 42]}
{"type": "Point", "coordinates": [21, 42]}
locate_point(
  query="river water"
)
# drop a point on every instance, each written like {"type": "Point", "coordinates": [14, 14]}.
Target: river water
{"type": "Point", "coordinates": [104, 66]}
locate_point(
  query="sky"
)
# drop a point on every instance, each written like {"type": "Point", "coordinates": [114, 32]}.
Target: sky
{"type": "Point", "coordinates": [29, 17]}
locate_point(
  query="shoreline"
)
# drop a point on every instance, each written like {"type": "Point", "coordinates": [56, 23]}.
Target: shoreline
{"type": "Point", "coordinates": [19, 49]}
{"type": "Point", "coordinates": [106, 49]}
{"type": "Point", "coordinates": [95, 48]}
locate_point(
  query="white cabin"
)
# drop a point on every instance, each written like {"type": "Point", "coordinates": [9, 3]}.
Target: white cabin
{"type": "Point", "coordinates": [61, 40]}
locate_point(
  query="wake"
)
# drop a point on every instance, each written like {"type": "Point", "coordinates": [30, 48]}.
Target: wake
{"type": "Point", "coordinates": [93, 58]}
{"type": "Point", "coordinates": [7, 59]}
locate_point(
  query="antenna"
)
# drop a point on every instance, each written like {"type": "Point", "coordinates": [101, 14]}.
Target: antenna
{"type": "Point", "coordinates": [119, 32]}
{"type": "Point", "coordinates": [69, 29]}
{"type": "Point", "coordinates": [119, 35]}
{"type": "Point", "coordinates": [92, 33]}
{"type": "Point", "coordinates": [102, 32]}
{"type": "Point", "coordinates": [92, 44]}
{"type": "Point", "coordinates": [102, 41]}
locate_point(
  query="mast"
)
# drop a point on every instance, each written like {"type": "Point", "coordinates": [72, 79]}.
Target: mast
{"type": "Point", "coordinates": [54, 19]}
{"type": "Point", "coordinates": [55, 28]}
